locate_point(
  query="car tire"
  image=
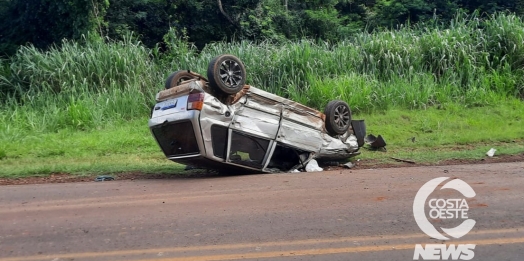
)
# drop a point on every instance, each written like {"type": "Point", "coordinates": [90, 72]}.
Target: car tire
{"type": "Point", "coordinates": [227, 74]}
{"type": "Point", "coordinates": [177, 78]}
{"type": "Point", "coordinates": [338, 117]}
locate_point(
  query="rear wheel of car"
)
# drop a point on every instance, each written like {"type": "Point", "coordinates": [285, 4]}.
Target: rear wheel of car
{"type": "Point", "coordinates": [227, 74]}
{"type": "Point", "coordinates": [177, 78]}
{"type": "Point", "coordinates": [338, 117]}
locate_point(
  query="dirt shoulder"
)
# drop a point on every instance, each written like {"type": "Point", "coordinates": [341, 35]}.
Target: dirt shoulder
{"type": "Point", "coordinates": [362, 164]}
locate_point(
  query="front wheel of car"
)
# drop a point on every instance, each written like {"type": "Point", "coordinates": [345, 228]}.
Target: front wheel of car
{"type": "Point", "coordinates": [227, 74]}
{"type": "Point", "coordinates": [338, 117]}
{"type": "Point", "coordinates": [177, 78]}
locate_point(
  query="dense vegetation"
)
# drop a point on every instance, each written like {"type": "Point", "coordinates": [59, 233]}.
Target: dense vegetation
{"type": "Point", "coordinates": [82, 63]}
{"type": "Point", "coordinates": [45, 22]}
{"type": "Point", "coordinates": [86, 83]}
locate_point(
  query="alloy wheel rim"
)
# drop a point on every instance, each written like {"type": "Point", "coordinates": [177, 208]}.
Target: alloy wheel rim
{"type": "Point", "coordinates": [230, 73]}
{"type": "Point", "coordinates": [341, 116]}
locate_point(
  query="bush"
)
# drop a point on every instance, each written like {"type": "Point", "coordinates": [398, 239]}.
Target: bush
{"type": "Point", "coordinates": [472, 62]}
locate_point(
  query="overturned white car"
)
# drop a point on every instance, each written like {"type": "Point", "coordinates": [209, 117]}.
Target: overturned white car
{"type": "Point", "coordinates": [223, 124]}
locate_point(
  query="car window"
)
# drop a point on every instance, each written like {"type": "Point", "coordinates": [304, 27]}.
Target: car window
{"type": "Point", "coordinates": [284, 158]}
{"type": "Point", "coordinates": [247, 150]}
{"type": "Point", "coordinates": [219, 140]}
{"type": "Point", "coordinates": [177, 139]}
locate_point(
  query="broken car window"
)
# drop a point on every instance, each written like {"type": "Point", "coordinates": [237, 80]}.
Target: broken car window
{"type": "Point", "coordinates": [247, 150]}
{"type": "Point", "coordinates": [176, 139]}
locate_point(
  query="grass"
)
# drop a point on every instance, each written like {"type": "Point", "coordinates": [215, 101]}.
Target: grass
{"type": "Point", "coordinates": [124, 147]}
{"type": "Point", "coordinates": [452, 125]}
{"type": "Point", "coordinates": [80, 107]}
{"type": "Point", "coordinates": [454, 132]}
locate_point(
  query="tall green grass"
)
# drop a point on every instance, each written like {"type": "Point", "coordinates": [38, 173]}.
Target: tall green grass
{"type": "Point", "coordinates": [83, 85]}
{"type": "Point", "coordinates": [471, 61]}
{"type": "Point", "coordinates": [77, 85]}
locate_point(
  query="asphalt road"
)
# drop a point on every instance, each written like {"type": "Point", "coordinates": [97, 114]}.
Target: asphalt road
{"type": "Point", "coordinates": [336, 215]}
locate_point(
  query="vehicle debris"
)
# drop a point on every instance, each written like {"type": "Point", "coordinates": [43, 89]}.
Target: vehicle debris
{"type": "Point", "coordinates": [491, 152]}
{"type": "Point", "coordinates": [375, 142]}
{"type": "Point", "coordinates": [359, 127]}
{"type": "Point", "coordinates": [312, 166]}
{"type": "Point", "coordinates": [104, 178]}
{"type": "Point", "coordinates": [224, 124]}
{"type": "Point", "coordinates": [403, 160]}
{"type": "Point", "coordinates": [349, 165]}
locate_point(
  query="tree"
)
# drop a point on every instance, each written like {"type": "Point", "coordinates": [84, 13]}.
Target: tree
{"type": "Point", "coordinates": [394, 12]}
{"type": "Point", "coordinates": [489, 6]}
{"type": "Point", "coordinates": [44, 22]}
{"type": "Point", "coordinates": [201, 20]}
{"type": "Point", "coordinates": [519, 7]}
{"type": "Point", "coordinates": [149, 19]}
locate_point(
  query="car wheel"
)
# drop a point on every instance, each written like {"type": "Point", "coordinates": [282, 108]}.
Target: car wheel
{"type": "Point", "coordinates": [338, 117]}
{"type": "Point", "coordinates": [177, 78]}
{"type": "Point", "coordinates": [227, 74]}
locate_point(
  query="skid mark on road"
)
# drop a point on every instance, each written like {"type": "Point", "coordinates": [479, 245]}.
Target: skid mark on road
{"type": "Point", "coordinates": [294, 248]}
